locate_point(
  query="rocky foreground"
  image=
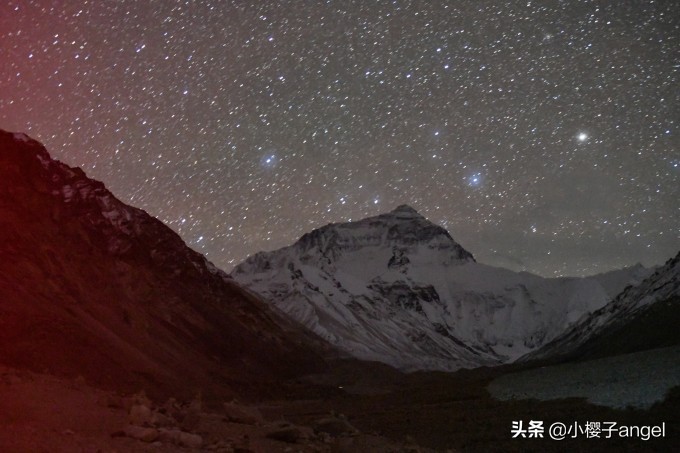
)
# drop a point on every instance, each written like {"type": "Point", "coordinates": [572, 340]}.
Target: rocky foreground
{"type": "Point", "coordinates": [354, 408]}
{"type": "Point", "coordinates": [45, 413]}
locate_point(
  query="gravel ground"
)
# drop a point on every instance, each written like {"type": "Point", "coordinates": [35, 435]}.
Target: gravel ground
{"type": "Point", "coordinates": [638, 380]}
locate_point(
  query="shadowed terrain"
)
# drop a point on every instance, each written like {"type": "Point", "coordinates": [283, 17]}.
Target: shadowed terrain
{"type": "Point", "coordinates": [92, 287]}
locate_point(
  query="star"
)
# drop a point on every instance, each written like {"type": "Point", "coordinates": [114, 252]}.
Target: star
{"type": "Point", "coordinates": [474, 180]}
{"type": "Point", "coordinates": [269, 161]}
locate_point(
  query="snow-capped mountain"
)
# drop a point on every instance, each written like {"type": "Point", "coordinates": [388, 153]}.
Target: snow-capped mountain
{"type": "Point", "coordinates": [398, 289]}
{"type": "Point", "coordinates": [643, 316]}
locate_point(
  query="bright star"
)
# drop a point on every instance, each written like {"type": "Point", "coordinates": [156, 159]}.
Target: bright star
{"type": "Point", "coordinates": [475, 180]}
{"type": "Point", "coordinates": [269, 161]}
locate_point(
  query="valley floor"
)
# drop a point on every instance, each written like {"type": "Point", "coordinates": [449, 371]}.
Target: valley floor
{"type": "Point", "coordinates": [357, 407]}
{"type": "Point", "coordinates": [456, 410]}
{"type": "Point", "coordinates": [43, 413]}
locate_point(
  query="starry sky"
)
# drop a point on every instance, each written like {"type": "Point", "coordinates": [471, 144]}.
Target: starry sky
{"type": "Point", "coordinates": [543, 135]}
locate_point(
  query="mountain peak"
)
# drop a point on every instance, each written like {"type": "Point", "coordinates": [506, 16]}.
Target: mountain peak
{"type": "Point", "coordinates": [403, 209]}
{"type": "Point", "coordinates": [393, 241]}
{"type": "Point", "coordinates": [397, 288]}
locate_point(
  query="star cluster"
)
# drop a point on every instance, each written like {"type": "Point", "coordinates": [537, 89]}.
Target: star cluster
{"type": "Point", "coordinates": [542, 134]}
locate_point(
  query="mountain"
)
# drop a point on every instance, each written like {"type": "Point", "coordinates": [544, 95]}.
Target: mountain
{"type": "Point", "coordinates": [398, 289]}
{"type": "Point", "coordinates": [90, 286]}
{"type": "Point", "coordinates": [643, 316]}
{"type": "Point", "coordinates": [615, 281]}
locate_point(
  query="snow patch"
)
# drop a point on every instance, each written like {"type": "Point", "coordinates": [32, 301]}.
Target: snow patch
{"type": "Point", "coordinates": [21, 137]}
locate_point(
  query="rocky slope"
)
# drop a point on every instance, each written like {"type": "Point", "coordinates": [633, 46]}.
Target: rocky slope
{"type": "Point", "coordinates": [398, 289]}
{"type": "Point", "coordinates": [90, 286]}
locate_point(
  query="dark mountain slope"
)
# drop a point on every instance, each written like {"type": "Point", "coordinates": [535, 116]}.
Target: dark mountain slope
{"type": "Point", "coordinates": [90, 286]}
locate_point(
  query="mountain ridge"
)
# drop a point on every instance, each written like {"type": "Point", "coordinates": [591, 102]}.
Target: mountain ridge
{"type": "Point", "coordinates": [642, 316]}
{"type": "Point", "coordinates": [93, 287]}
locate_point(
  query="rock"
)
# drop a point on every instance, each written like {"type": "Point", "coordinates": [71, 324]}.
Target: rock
{"type": "Point", "coordinates": [159, 419]}
{"type": "Point", "coordinates": [111, 401]}
{"type": "Point", "coordinates": [181, 438]}
{"type": "Point", "coordinates": [325, 438]}
{"type": "Point", "coordinates": [168, 435]}
{"type": "Point", "coordinates": [141, 433]}
{"type": "Point", "coordinates": [290, 434]}
{"type": "Point", "coordinates": [172, 408]}
{"type": "Point", "coordinates": [219, 446]}
{"type": "Point", "coordinates": [196, 405]}
{"type": "Point", "coordinates": [171, 405]}
{"type": "Point", "coordinates": [334, 426]}
{"type": "Point", "coordinates": [140, 415]}
{"type": "Point", "coordinates": [190, 440]}
{"type": "Point", "coordinates": [237, 413]}
{"type": "Point", "coordinates": [190, 421]}
{"type": "Point", "coordinates": [346, 444]}
{"type": "Point", "coordinates": [136, 399]}
{"type": "Point", "coordinates": [242, 445]}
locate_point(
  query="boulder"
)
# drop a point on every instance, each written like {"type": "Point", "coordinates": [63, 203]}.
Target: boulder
{"type": "Point", "coordinates": [237, 413]}
{"type": "Point", "coordinates": [181, 438]}
{"type": "Point", "coordinates": [141, 433]}
{"type": "Point", "coordinates": [140, 415]}
{"type": "Point", "coordinates": [334, 426]}
{"type": "Point", "coordinates": [291, 434]}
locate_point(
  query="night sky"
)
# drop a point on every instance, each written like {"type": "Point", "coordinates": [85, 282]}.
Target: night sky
{"type": "Point", "coordinates": [543, 135]}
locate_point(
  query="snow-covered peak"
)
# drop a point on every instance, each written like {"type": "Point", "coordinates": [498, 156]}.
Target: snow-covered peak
{"type": "Point", "coordinates": [405, 211]}
{"type": "Point", "coordinates": [398, 289]}
{"type": "Point", "coordinates": [397, 238]}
